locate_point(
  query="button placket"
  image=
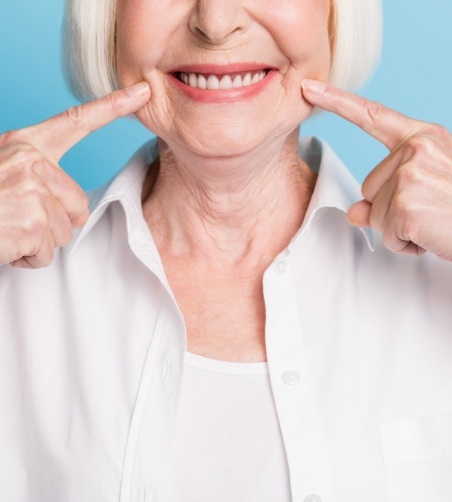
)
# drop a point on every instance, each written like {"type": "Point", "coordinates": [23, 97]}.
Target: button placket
{"type": "Point", "coordinates": [296, 405]}
{"type": "Point", "coordinates": [291, 377]}
{"type": "Point", "coordinates": [166, 367]}
{"type": "Point", "coordinates": [280, 267]}
{"type": "Point", "coordinates": [312, 498]}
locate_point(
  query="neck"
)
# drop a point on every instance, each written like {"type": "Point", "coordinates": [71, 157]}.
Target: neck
{"type": "Point", "coordinates": [228, 210]}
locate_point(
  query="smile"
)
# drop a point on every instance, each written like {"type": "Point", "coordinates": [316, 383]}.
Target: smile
{"type": "Point", "coordinates": [229, 83]}
{"type": "Point", "coordinates": [221, 82]}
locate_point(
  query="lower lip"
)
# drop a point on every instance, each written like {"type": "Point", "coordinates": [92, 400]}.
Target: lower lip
{"type": "Point", "coordinates": [223, 95]}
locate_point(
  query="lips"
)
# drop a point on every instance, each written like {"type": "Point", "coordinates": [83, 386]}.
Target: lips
{"type": "Point", "coordinates": [222, 83]}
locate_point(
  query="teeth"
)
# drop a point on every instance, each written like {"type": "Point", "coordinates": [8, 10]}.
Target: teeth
{"type": "Point", "coordinates": [237, 82]}
{"type": "Point", "coordinates": [213, 82]}
{"type": "Point", "coordinates": [202, 82]}
{"type": "Point", "coordinates": [226, 82]}
{"type": "Point", "coordinates": [193, 80]}
{"type": "Point", "coordinates": [247, 79]}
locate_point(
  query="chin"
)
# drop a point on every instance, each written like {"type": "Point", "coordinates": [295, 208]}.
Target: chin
{"type": "Point", "coordinates": [222, 142]}
{"type": "Point", "coordinates": [226, 143]}
{"type": "Point", "coordinates": [218, 132]}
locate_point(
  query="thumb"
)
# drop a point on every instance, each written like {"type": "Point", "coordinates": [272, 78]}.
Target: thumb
{"type": "Point", "coordinates": [359, 214]}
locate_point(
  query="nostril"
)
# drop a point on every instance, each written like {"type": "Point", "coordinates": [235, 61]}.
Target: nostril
{"type": "Point", "coordinates": [215, 21]}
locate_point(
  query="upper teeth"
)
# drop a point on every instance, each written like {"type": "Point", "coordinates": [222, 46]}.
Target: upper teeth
{"type": "Point", "coordinates": [213, 82]}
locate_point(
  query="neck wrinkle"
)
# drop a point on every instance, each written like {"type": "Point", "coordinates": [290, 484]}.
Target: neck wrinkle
{"type": "Point", "coordinates": [230, 214]}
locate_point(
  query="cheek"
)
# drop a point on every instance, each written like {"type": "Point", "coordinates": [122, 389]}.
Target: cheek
{"type": "Point", "coordinates": [301, 30]}
{"type": "Point", "coordinates": [133, 55]}
{"type": "Point", "coordinates": [144, 30]}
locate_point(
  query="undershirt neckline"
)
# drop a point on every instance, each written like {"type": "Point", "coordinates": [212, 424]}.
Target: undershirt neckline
{"type": "Point", "coordinates": [202, 363]}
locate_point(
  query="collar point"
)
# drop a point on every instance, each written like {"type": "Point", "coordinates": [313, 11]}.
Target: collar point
{"type": "Point", "coordinates": [369, 236]}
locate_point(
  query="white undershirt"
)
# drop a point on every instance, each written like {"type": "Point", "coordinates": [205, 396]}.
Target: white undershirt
{"type": "Point", "coordinates": [228, 445]}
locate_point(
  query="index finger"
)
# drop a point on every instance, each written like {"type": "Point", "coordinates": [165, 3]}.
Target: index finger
{"type": "Point", "coordinates": [55, 136]}
{"type": "Point", "coordinates": [386, 125]}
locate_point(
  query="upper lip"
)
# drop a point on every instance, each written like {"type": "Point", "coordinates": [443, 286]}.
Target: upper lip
{"type": "Point", "coordinates": [216, 69]}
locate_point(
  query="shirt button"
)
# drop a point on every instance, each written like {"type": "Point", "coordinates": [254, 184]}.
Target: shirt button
{"type": "Point", "coordinates": [292, 377]}
{"type": "Point", "coordinates": [165, 370]}
{"type": "Point", "coordinates": [312, 498]}
{"type": "Point", "coordinates": [280, 267]}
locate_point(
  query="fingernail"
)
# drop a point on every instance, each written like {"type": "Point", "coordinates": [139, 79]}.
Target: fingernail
{"type": "Point", "coordinates": [314, 86]}
{"type": "Point", "coordinates": [138, 90]}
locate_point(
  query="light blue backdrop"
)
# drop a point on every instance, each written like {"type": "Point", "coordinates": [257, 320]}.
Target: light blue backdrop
{"type": "Point", "coordinates": [415, 77]}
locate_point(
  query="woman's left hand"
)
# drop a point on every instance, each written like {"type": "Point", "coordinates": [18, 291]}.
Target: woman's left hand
{"type": "Point", "coordinates": [408, 196]}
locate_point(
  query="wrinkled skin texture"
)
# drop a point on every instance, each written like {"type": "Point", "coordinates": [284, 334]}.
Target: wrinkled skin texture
{"type": "Point", "coordinates": [408, 196]}
{"type": "Point", "coordinates": [40, 204]}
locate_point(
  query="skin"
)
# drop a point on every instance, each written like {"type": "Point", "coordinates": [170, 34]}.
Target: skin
{"type": "Point", "coordinates": [407, 196]}
{"type": "Point", "coordinates": [40, 204]}
{"type": "Point", "coordinates": [221, 32]}
{"type": "Point", "coordinates": [225, 168]}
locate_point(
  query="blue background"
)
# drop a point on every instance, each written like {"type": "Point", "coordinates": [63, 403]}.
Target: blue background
{"type": "Point", "coordinates": [415, 77]}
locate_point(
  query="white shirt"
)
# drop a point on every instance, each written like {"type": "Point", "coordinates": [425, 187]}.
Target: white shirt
{"type": "Point", "coordinates": [228, 445]}
{"type": "Point", "coordinates": [359, 348]}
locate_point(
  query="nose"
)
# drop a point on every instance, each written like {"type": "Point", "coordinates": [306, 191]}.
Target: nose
{"type": "Point", "coordinates": [217, 20]}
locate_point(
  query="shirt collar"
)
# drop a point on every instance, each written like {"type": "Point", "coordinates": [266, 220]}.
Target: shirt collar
{"type": "Point", "coordinates": [125, 188]}
{"type": "Point", "coordinates": [335, 187]}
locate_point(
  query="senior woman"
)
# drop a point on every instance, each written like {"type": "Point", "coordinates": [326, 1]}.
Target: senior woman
{"type": "Point", "coordinates": [218, 330]}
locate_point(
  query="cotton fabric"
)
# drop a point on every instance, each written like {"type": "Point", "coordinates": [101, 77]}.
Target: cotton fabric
{"type": "Point", "coordinates": [227, 445]}
{"type": "Point", "coordinates": [358, 339]}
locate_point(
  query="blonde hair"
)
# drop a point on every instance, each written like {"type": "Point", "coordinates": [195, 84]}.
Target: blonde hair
{"type": "Point", "coordinates": [89, 57]}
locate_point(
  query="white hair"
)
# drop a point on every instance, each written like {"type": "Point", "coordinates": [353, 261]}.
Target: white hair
{"type": "Point", "coordinates": [89, 55]}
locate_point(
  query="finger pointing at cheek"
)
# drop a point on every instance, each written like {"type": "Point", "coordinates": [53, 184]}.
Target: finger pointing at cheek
{"type": "Point", "coordinates": [40, 204]}
{"type": "Point", "coordinates": [408, 196]}
{"type": "Point", "coordinates": [387, 126]}
{"type": "Point", "coordinates": [57, 135]}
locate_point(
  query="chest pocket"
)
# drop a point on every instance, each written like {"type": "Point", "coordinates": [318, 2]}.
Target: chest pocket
{"type": "Point", "coordinates": [417, 455]}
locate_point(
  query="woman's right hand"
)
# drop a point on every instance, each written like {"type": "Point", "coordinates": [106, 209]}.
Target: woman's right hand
{"type": "Point", "coordinates": [40, 204]}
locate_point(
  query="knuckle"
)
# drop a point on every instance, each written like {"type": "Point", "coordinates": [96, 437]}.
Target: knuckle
{"type": "Point", "coordinates": [407, 176]}
{"type": "Point", "coordinates": [439, 131]}
{"type": "Point", "coordinates": [20, 138]}
{"type": "Point", "coordinates": [111, 101]}
{"type": "Point", "coordinates": [43, 258]}
{"type": "Point", "coordinates": [75, 116]}
{"type": "Point", "coordinates": [113, 104]}
{"type": "Point", "coordinates": [47, 259]}
{"type": "Point", "coordinates": [18, 163]}
{"type": "Point", "coordinates": [420, 147]}
{"type": "Point", "coordinates": [372, 111]}
{"type": "Point", "coordinates": [26, 156]}
{"type": "Point", "coordinates": [9, 138]}
{"type": "Point", "coordinates": [405, 207]}
{"type": "Point", "coordinates": [62, 234]}
{"type": "Point", "coordinates": [410, 230]}
{"type": "Point", "coordinates": [35, 224]}
{"type": "Point", "coordinates": [389, 241]}
{"type": "Point", "coordinates": [35, 193]}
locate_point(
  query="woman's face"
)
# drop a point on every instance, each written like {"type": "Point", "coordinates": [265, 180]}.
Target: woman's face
{"type": "Point", "coordinates": [186, 48]}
